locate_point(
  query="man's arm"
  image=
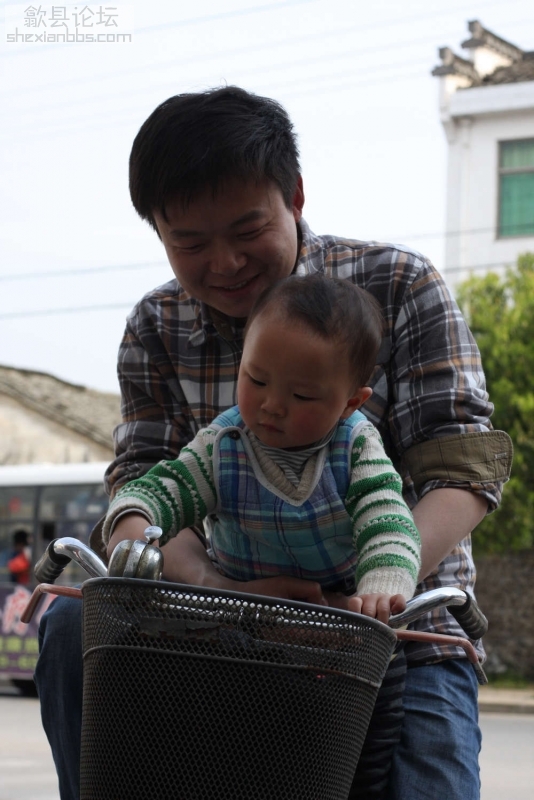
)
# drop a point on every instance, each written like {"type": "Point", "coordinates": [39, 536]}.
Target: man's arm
{"type": "Point", "coordinates": [156, 424]}
{"type": "Point", "coordinates": [444, 517]}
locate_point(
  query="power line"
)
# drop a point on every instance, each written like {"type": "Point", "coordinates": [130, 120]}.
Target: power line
{"type": "Point", "coordinates": [315, 90]}
{"type": "Point", "coordinates": [267, 68]}
{"type": "Point", "coordinates": [47, 312]}
{"type": "Point", "coordinates": [114, 306]}
{"type": "Point", "coordinates": [207, 57]}
{"type": "Point", "coordinates": [62, 273]}
{"type": "Point", "coordinates": [76, 120]}
{"type": "Point", "coordinates": [75, 271]}
{"type": "Point", "coordinates": [476, 267]}
{"type": "Point", "coordinates": [192, 21]}
{"type": "Point", "coordinates": [403, 20]}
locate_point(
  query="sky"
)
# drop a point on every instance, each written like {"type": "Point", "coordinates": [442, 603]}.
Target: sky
{"type": "Point", "coordinates": [355, 78]}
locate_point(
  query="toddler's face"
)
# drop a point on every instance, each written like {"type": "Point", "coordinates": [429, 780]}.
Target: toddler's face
{"type": "Point", "coordinates": [293, 385]}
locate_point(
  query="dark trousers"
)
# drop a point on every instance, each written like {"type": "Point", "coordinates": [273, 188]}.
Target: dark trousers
{"type": "Point", "coordinates": [372, 773]}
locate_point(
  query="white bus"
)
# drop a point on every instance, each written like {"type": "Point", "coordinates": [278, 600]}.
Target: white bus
{"type": "Point", "coordinates": [38, 503]}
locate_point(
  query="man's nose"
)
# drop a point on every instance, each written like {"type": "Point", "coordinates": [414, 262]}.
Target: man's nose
{"type": "Point", "coordinates": [226, 259]}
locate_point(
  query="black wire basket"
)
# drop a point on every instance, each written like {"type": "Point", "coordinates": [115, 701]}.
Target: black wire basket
{"type": "Point", "coordinates": [197, 694]}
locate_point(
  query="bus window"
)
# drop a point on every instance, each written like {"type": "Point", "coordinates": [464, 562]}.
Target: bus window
{"type": "Point", "coordinates": [38, 503]}
{"type": "Point", "coordinates": [70, 511]}
{"type": "Point", "coordinates": [17, 512]}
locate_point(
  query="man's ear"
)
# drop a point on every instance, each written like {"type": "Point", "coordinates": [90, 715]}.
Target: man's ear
{"type": "Point", "coordinates": [358, 399]}
{"type": "Point", "coordinates": [297, 203]}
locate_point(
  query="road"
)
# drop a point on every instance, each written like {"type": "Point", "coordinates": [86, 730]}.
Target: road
{"type": "Point", "coordinates": [507, 759]}
{"type": "Point", "coordinates": [27, 771]}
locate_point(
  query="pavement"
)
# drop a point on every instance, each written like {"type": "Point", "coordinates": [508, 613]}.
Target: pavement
{"type": "Point", "coordinates": [506, 701]}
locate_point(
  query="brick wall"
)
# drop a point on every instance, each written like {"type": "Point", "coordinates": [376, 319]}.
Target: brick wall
{"type": "Point", "coordinates": [505, 592]}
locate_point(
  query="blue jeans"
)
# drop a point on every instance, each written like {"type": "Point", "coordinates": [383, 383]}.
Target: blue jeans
{"type": "Point", "coordinates": [59, 680]}
{"type": "Point", "coordinates": [437, 756]}
{"type": "Point", "coordinates": [440, 740]}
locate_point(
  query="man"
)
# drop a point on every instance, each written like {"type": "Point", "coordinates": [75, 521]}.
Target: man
{"type": "Point", "coordinates": [217, 176]}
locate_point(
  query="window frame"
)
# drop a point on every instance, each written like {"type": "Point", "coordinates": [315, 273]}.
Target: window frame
{"type": "Point", "coordinates": [502, 171]}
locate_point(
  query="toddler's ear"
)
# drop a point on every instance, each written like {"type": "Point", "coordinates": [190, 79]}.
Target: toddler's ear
{"type": "Point", "coordinates": [357, 400]}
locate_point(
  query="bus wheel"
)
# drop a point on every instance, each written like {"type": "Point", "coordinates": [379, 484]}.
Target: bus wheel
{"type": "Point", "coordinates": [26, 688]}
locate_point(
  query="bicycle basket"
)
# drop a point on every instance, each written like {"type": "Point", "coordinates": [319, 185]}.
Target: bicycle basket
{"type": "Point", "coordinates": [196, 694]}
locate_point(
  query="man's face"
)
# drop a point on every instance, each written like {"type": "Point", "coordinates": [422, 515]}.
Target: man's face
{"type": "Point", "coordinates": [226, 248]}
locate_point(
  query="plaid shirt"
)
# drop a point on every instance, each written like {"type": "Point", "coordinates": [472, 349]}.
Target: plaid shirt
{"type": "Point", "coordinates": [178, 365]}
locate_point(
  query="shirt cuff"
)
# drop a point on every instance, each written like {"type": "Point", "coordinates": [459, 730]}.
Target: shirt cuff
{"type": "Point", "coordinates": [480, 458]}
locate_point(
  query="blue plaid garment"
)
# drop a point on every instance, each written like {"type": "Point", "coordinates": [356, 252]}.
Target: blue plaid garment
{"type": "Point", "coordinates": [258, 532]}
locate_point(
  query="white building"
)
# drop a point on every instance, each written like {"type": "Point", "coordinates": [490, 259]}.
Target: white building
{"type": "Point", "coordinates": [45, 419]}
{"type": "Point", "coordinates": [487, 111]}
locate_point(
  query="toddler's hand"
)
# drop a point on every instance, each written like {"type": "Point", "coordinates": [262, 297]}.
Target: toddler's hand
{"type": "Point", "coordinates": [377, 605]}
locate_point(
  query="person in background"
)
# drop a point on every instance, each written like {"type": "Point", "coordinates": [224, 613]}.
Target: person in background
{"type": "Point", "coordinates": [19, 563]}
{"type": "Point", "coordinates": [217, 176]}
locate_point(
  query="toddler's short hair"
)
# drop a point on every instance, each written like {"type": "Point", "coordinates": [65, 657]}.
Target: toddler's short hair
{"type": "Point", "coordinates": [333, 309]}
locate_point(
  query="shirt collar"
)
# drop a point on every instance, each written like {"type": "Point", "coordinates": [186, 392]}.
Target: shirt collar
{"type": "Point", "coordinates": [311, 253]}
{"type": "Point", "coordinates": [209, 321]}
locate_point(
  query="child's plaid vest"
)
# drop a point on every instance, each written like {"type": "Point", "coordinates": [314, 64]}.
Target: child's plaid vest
{"type": "Point", "coordinates": [257, 531]}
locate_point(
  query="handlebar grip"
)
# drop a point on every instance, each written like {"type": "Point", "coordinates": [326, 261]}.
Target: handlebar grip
{"type": "Point", "coordinates": [470, 618]}
{"type": "Point", "coordinates": [50, 565]}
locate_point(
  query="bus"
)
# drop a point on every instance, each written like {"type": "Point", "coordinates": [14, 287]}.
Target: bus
{"type": "Point", "coordinates": [38, 503]}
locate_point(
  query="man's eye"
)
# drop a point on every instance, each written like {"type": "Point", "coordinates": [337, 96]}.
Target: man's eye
{"type": "Point", "coordinates": [303, 397]}
{"type": "Point", "coordinates": [250, 234]}
{"type": "Point", "coordinates": [192, 248]}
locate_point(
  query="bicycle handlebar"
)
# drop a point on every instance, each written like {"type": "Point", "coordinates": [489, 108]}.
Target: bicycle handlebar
{"type": "Point", "coordinates": [61, 551]}
{"type": "Point", "coordinates": [462, 606]}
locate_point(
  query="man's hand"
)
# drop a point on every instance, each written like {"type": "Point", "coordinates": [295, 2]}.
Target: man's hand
{"type": "Point", "coordinates": [378, 606]}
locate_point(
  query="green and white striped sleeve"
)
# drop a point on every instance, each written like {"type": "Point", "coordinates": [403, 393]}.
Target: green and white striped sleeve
{"type": "Point", "coordinates": [173, 494]}
{"type": "Point", "coordinates": [385, 537]}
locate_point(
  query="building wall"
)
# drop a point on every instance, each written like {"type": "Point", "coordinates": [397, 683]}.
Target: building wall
{"type": "Point", "coordinates": [475, 122]}
{"type": "Point", "coordinates": [505, 592]}
{"type": "Point", "coordinates": [26, 437]}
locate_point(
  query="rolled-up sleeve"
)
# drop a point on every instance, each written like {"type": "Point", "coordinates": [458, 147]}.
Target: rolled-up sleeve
{"type": "Point", "coordinates": [440, 416]}
{"type": "Point", "coordinates": [479, 462]}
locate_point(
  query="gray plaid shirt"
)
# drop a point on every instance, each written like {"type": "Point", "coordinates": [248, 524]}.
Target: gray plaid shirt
{"type": "Point", "coordinates": [178, 365]}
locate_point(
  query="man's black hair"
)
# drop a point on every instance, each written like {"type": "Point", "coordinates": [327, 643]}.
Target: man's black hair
{"type": "Point", "coordinates": [334, 309]}
{"type": "Point", "coordinates": [194, 142]}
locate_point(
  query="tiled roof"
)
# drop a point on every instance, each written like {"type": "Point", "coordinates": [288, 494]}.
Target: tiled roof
{"type": "Point", "coordinates": [519, 71]}
{"type": "Point", "coordinates": [520, 66]}
{"type": "Point", "coordinates": [482, 37]}
{"type": "Point", "coordinates": [88, 412]}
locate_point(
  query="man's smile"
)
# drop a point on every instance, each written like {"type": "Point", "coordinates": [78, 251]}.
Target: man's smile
{"type": "Point", "coordinates": [236, 286]}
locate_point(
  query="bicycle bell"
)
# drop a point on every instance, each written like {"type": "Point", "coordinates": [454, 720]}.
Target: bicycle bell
{"type": "Point", "coordinates": [138, 559]}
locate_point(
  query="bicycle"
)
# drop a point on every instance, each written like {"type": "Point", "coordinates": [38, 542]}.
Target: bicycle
{"type": "Point", "coordinates": [263, 698]}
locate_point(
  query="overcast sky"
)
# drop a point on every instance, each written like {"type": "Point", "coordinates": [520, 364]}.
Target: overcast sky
{"type": "Point", "coordinates": [354, 76]}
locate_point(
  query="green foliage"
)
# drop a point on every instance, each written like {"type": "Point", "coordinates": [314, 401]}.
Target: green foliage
{"type": "Point", "coordinates": [500, 312]}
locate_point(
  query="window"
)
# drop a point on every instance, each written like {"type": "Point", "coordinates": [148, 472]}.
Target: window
{"type": "Point", "coordinates": [17, 511]}
{"type": "Point", "coordinates": [516, 188]}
